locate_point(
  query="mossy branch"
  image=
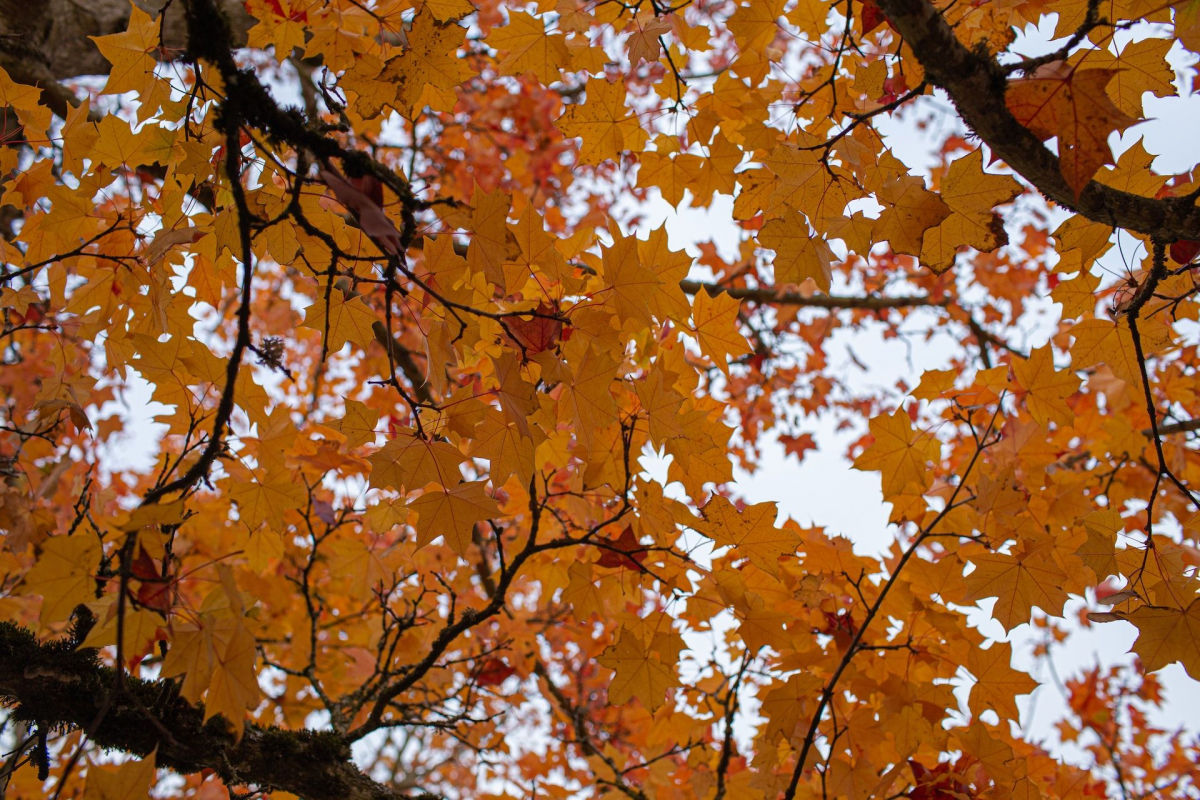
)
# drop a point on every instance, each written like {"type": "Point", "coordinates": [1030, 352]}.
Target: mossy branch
{"type": "Point", "coordinates": [59, 686]}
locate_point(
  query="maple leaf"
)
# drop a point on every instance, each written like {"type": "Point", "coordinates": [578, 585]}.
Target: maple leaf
{"type": "Point", "coordinates": [408, 462]}
{"type": "Point", "coordinates": [539, 333]}
{"type": "Point", "coordinates": [452, 513]}
{"type": "Point", "coordinates": [64, 575]}
{"type": "Point", "coordinates": [216, 657]}
{"type": "Point", "coordinates": [233, 687]}
{"type": "Point", "coordinates": [713, 324]}
{"type": "Point", "coordinates": [128, 781]}
{"type": "Point", "coordinates": [1167, 635]}
{"type": "Point", "coordinates": [1021, 581]}
{"type": "Point", "coordinates": [625, 552]}
{"type": "Point", "coordinates": [637, 672]}
{"type": "Point", "coordinates": [799, 257]}
{"type": "Point", "coordinates": [526, 45]}
{"type": "Point", "coordinates": [603, 123]}
{"type": "Point", "coordinates": [643, 44]}
{"type": "Point", "coordinates": [493, 672]}
{"type": "Point", "coordinates": [366, 210]}
{"type": "Point", "coordinates": [910, 210]}
{"type": "Point", "coordinates": [1046, 391]}
{"type": "Point", "coordinates": [1070, 103]}
{"type": "Point", "coordinates": [632, 285]}
{"type": "Point", "coordinates": [267, 498]}
{"type": "Point", "coordinates": [430, 68]}
{"type": "Point", "coordinates": [751, 531]}
{"type": "Point", "coordinates": [899, 453]}
{"type": "Point", "coordinates": [997, 684]}
{"type": "Point", "coordinates": [787, 706]}
{"type": "Point", "coordinates": [798, 445]}
{"type": "Point", "coordinates": [971, 195]}
{"type": "Point", "coordinates": [130, 52]}
{"type": "Point", "coordinates": [341, 320]}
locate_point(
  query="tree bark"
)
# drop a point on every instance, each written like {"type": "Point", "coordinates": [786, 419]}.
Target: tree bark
{"type": "Point", "coordinates": [53, 684]}
{"type": "Point", "coordinates": [49, 40]}
{"type": "Point", "coordinates": [976, 85]}
{"type": "Point", "coordinates": [45, 42]}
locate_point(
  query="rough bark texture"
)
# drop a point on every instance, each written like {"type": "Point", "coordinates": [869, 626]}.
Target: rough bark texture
{"type": "Point", "coordinates": [976, 86]}
{"type": "Point", "coordinates": [49, 39]}
{"type": "Point", "coordinates": [55, 684]}
{"type": "Point", "coordinates": [44, 41]}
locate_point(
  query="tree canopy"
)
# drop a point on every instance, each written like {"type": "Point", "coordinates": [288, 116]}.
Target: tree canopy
{"type": "Point", "coordinates": [359, 438]}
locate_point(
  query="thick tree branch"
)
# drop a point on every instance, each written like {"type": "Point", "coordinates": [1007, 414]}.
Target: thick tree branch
{"type": "Point", "coordinates": [53, 684]}
{"type": "Point", "coordinates": [50, 39]}
{"type": "Point", "coordinates": [976, 85]}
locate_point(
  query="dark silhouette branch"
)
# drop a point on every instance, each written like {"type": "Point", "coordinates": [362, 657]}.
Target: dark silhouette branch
{"type": "Point", "coordinates": [54, 684]}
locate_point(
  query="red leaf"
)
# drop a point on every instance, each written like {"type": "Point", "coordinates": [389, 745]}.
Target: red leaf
{"type": "Point", "coordinates": [144, 568]}
{"type": "Point", "coordinates": [539, 333]}
{"type": "Point", "coordinates": [798, 445]}
{"type": "Point", "coordinates": [872, 16]}
{"type": "Point", "coordinates": [157, 595]}
{"type": "Point", "coordinates": [155, 592]}
{"type": "Point", "coordinates": [624, 551]}
{"type": "Point", "coordinates": [369, 214]}
{"type": "Point", "coordinates": [1184, 250]}
{"type": "Point", "coordinates": [370, 186]}
{"type": "Point", "coordinates": [493, 672]}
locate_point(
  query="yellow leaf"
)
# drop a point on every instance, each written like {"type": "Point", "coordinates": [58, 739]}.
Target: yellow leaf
{"type": "Point", "coordinates": [264, 497]}
{"type": "Point", "coordinates": [64, 575]}
{"type": "Point", "coordinates": [526, 46]}
{"type": "Point", "coordinates": [141, 629]}
{"type": "Point", "coordinates": [1020, 581]}
{"type": "Point", "coordinates": [129, 53]}
{"type": "Point", "coordinates": [714, 324]}
{"type": "Point", "coordinates": [1046, 391]}
{"type": "Point", "coordinates": [605, 126]}
{"type": "Point", "coordinates": [357, 424]}
{"type": "Point", "coordinates": [799, 256]}
{"type": "Point", "coordinates": [131, 780]}
{"type": "Point", "coordinates": [408, 462]}
{"type": "Point", "coordinates": [631, 285]}
{"type": "Point", "coordinates": [452, 514]}
{"type": "Point", "coordinates": [638, 672]}
{"type": "Point", "coordinates": [972, 195]}
{"type": "Point", "coordinates": [234, 685]}
{"type": "Point", "coordinates": [344, 321]}
{"type": "Point", "coordinates": [997, 683]}
{"type": "Point", "coordinates": [1071, 104]}
{"type": "Point", "coordinates": [427, 72]}
{"type": "Point", "coordinates": [1102, 341]}
{"type": "Point", "coordinates": [909, 209]}
{"type": "Point", "coordinates": [751, 532]}
{"type": "Point", "coordinates": [901, 454]}
{"type": "Point", "coordinates": [1167, 635]}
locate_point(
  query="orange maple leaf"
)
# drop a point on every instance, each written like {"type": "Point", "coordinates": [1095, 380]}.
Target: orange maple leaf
{"type": "Point", "coordinates": [1167, 635]}
{"type": "Point", "coordinates": [1062, 101]}
{"type": "Point", "coordinates": [638, 672]}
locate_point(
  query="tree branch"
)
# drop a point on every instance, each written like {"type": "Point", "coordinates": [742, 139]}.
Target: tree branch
{"type": "Point", "coordinates": [976, 84]}
{"type": "Point", "coordinates": [54, 684]}
{"type": "Point", "coordinates": [51, 39]}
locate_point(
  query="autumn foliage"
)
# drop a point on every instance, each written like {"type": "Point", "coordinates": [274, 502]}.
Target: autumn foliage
{"type": "Point", "coordinates": [360, 439]}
